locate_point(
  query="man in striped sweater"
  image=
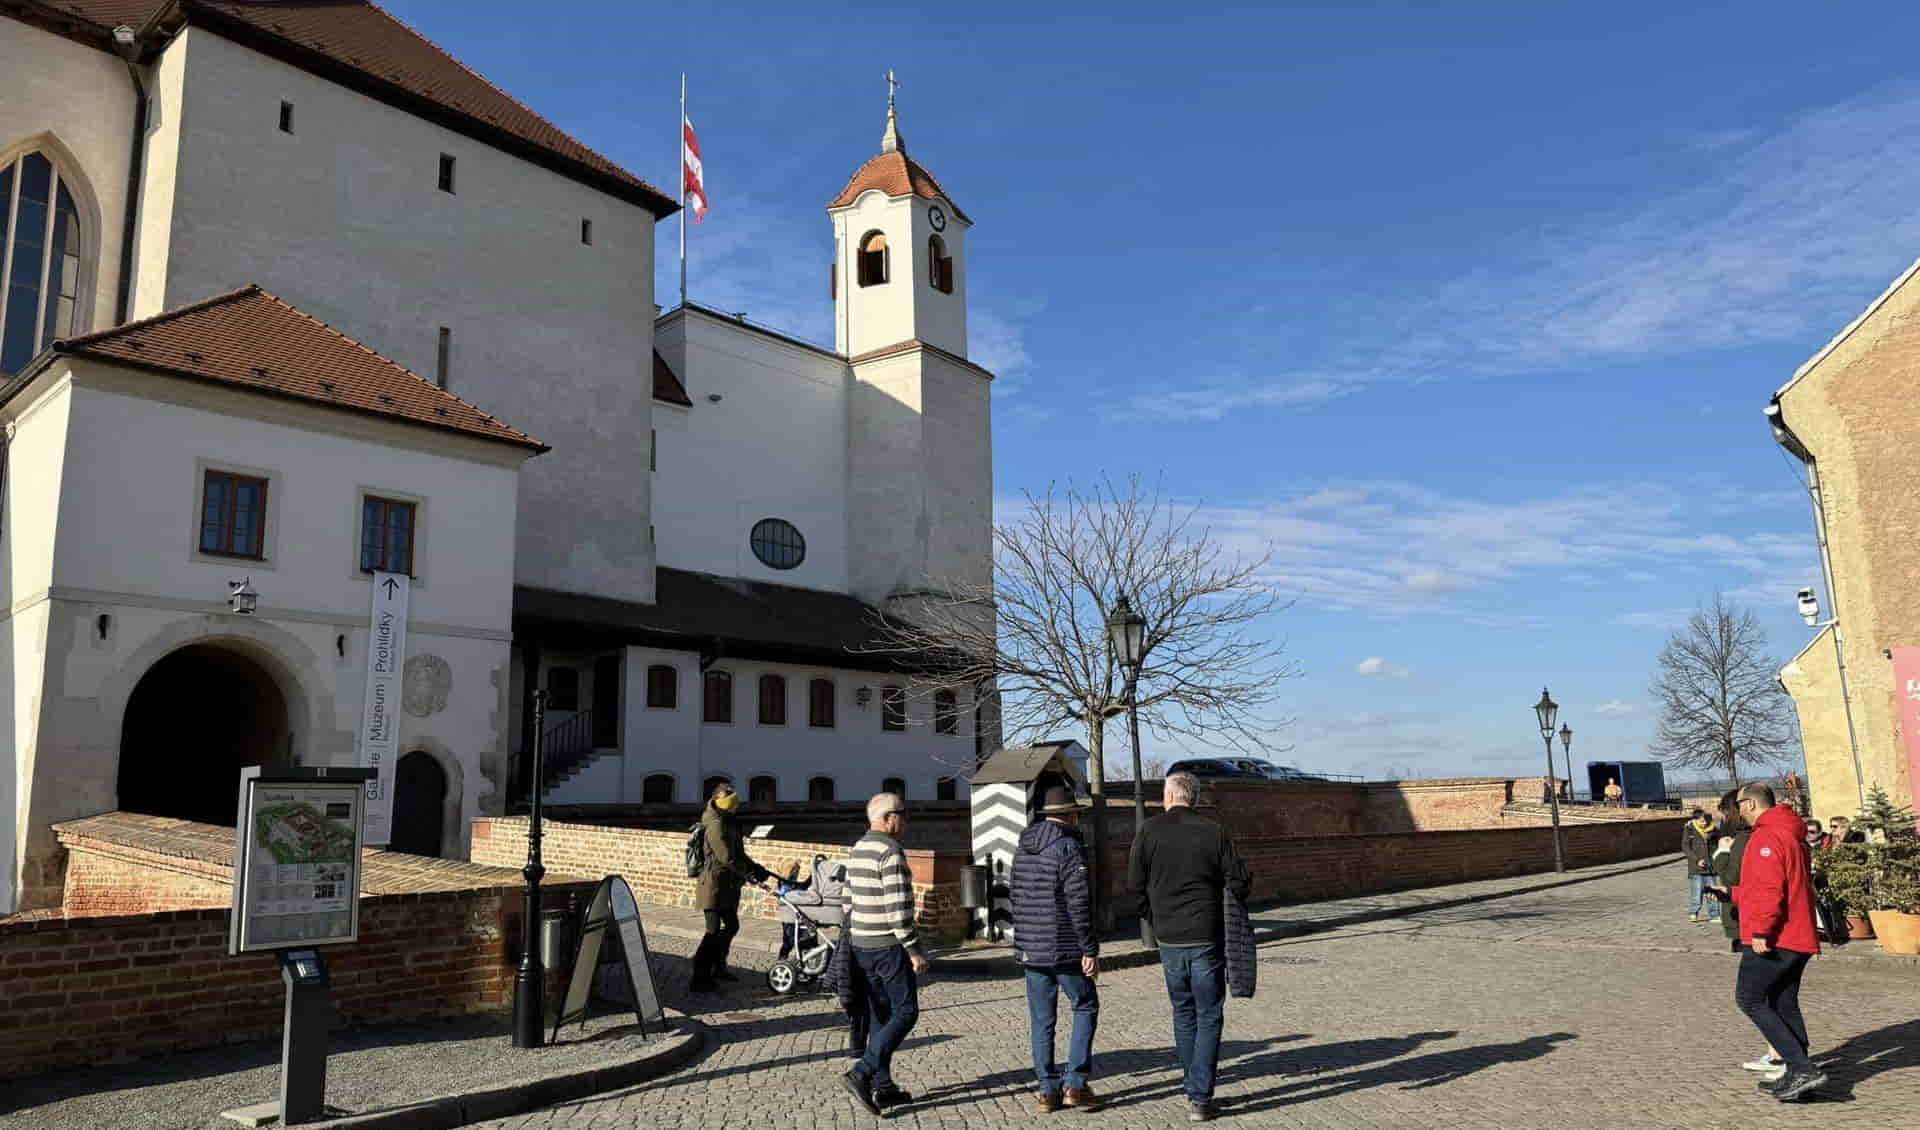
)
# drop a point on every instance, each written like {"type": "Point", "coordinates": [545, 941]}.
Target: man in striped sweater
{"type": "Point", "coordinates": [885, 953]}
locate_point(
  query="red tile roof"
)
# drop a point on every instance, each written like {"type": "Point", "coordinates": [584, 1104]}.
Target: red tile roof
{"type": "Point", "coordinates": [364, 46]}
{"type": "Point", "coordinates": [255, 341]}
{"type": "Point", "coordinates": [666, 385]}
{"type": "Point", "coordinates": [895, 174]}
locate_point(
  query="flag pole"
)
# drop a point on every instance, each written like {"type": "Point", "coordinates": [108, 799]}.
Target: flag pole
{"type": "Point", "coordinates": [681, 134]}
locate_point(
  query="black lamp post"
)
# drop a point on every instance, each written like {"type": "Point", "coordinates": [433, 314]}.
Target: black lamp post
{"type": "Point", "coordinates": [1127, 636]}
{"type": "Point", "coordinates": [1547, 710]}
{"type": "Point", "coordinates": [1566, 749]}
{"type": "Point", "coordinates": [529, 984]}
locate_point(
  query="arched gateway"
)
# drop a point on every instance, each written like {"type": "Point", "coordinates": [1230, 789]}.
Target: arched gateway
{"type": "Point", "coordinates": [193, 721]}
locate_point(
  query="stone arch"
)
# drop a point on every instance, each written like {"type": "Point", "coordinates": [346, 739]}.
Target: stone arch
{"type": "Point", "coordinates": [296, 669]}
{"type": "Point", "coordinates": [74, 175]}
{"type": "Point", "coordinates": [198, 715]}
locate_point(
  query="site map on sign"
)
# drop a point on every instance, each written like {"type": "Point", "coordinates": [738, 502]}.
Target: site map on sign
{"type": "Point", "coordinates": [300, 833]}
{"type": "Point", "coordinates": [301, 873]}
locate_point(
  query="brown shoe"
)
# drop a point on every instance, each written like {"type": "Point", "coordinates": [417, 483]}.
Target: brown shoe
{"type": "Point", "coordinates": [1083, 1098]}
{"type": "Point", "coordinates": [1046, 1104]}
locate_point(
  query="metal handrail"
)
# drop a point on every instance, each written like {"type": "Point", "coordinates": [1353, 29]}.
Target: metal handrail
{"type": "Point", "coordinates": [566, 746]}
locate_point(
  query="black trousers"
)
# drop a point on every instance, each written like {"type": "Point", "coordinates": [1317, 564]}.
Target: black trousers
{"type": "Point", "coordinates": [723, 922]}
{"type": "Point", "coordinates": [1768, 991]}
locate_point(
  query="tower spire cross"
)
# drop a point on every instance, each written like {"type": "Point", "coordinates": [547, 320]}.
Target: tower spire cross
{"type": "Point", "coordinates": [891, 141]}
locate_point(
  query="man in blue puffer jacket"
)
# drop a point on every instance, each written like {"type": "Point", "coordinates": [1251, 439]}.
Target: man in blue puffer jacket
{"type": "Point", "coordinates": [1053, 935]}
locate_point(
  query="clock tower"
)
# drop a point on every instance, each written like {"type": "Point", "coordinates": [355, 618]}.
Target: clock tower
{"type": "Point", "coordinates": [899, 271]}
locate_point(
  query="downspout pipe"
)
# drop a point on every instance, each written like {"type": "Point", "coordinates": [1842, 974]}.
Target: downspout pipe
{"type": "Point", "coordinates": [127, 44]}
{"type": "Point", "coordinates": [1785, 437]}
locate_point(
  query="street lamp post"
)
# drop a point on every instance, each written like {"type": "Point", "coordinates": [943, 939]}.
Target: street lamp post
{"type": "Point", "coordinates": [1547, 710]}
{"type": "Point", "coordinates": [1127, 636]}
{"type": "Point", "coordinates": [529, 984]}
{"type": "Point", "coordinates": [1566, 749]}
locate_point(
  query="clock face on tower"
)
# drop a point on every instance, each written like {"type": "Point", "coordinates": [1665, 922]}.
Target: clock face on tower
{"type": "Point", "coordinates": [937, 217]}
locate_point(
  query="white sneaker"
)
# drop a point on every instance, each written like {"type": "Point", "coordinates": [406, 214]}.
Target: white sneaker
{"type": "Point", "coordinates": [1773, 1073]}
{"type": "Point", "coordinates": [1765, 1063]}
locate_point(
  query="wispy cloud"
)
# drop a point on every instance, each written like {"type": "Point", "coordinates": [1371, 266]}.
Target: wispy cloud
{"type": "Point", "coordinates": [1616, 707]}
{"type": "Point", "coordinates": [1376, 667]}
{"type": "Point", "coordinates": [1396, 547]}
{"type": "Point", "coordinates": [1803, 223]}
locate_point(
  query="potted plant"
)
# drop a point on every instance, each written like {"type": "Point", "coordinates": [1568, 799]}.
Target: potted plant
{"type": "Point", "coordinates": [1842, 873]}
{"type": "Point", "coordinates": [1895, 895]}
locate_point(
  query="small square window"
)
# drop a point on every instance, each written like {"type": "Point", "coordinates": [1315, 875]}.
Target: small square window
{"type": "Point", "coordinates": [446, 172]}
{"type": "Point", "coordinates": [386, 535]}
{"type": "Point", "coordinates": [586, 232]}
{"type": "Point", "coordinates": [286, 117]}
{"type": "Point", "coordinates": [233, 515]}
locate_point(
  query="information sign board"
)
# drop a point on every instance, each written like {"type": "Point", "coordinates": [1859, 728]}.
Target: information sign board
{"type": "Point", "coordinates": [612, 908]}
{"type": "Point", "coordinates": [296, 863]}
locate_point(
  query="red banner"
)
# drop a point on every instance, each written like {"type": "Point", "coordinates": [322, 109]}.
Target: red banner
{"type": "Point", "coordinates": [1906, 688]}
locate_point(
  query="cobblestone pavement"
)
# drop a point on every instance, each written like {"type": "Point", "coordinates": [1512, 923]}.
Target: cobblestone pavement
{"type": "Point", "coordinates": [1596, 1005]}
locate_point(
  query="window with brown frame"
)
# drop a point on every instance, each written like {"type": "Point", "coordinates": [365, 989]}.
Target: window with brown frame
{"type": "Point", "coordinates": [386, 535]}
{"type": "Point", "coordinates": [939, 265]}
{"type": "Point", "coordinates": [820, 704]}
{"type": "Point", "coordinates": [233, 515]}
{"type": "Point", "coordinates": [873, 259]}
{"type": "Point", "coordinates": [773, 700]}
{"type": "Point", "coordinates": [895, 785]}
{"type": "Point", "coordinates": [820, 790]}
{"type": "Point", "coordinates": [718, 695]}
{"type": "Point", "coordinates": [762, 792]}
{"type": "Point", "coordinates": [663, 687]}
{"type": "Point", "coordinates": [657, 789]}
{"type": "Point", "coordinates": [946, 713]}
{"type": "Point", "coordinates": [893, 708]}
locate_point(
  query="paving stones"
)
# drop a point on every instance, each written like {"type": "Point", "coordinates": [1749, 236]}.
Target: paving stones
{"type": "Point", "coordinates": [1596, 1005]}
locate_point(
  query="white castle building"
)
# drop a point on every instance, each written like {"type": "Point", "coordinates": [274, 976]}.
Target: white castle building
{"type": "Point", "coordinates": [288, 294]}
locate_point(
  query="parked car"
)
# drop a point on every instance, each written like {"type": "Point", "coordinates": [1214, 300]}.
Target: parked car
{"type": "Point", "coordinates": [1247, 768]}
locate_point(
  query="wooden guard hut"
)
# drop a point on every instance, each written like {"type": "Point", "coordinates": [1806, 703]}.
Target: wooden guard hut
{"type": "Point", "coordinates": [1007, 788]}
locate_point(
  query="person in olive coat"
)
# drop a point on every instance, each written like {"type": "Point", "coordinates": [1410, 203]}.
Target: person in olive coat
{"type": "Point", "coordinates": [717, 894]}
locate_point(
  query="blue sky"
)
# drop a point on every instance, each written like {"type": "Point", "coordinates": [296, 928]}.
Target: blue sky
{"type": "Point", "coordinates": [1468, 311]}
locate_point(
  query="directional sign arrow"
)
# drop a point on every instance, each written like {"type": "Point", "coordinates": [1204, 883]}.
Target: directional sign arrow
{"type": "Point", "coordinates": [392, 587]}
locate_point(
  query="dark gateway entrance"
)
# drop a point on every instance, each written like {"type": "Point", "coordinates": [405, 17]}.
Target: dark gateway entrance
{"type": "Point", "coordinates": [419, 804]}
{"type": "Point", "coordinates": [194, 720]}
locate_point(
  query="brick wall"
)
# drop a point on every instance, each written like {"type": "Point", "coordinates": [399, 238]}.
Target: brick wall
{"type": "Point", "coordinates": [104, 879]}
{"type": "Point", "coordinates": [1305, 868]}
{"type": "Point", "coordinates": [654, 865]}
{"type": "Point", "coordinates": [81, 990]}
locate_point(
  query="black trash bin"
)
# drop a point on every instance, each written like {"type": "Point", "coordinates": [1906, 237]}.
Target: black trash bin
{"type": "Point", "coordinates": [973, 886]}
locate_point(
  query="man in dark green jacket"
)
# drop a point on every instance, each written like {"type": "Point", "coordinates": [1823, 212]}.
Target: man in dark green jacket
{"type": "Point", "coordinates": [718, 892]}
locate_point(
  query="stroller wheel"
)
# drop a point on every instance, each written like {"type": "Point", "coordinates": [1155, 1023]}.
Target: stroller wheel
{"type": "Point", "coordinates": [783, 977]}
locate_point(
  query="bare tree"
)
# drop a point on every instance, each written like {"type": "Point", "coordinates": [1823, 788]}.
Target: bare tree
{"type": "Point", "coordinates": [1037, 629]}
{"type": "Point", "coordinates": [1720, 699]}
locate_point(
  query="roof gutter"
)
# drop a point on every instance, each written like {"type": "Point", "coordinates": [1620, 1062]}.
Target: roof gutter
{"type": "Point", "coordinates": [1785, 437]}
{"type": "Point", "coordinates": [126, 44]}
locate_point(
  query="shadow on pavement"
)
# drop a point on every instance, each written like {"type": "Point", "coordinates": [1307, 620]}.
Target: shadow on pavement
{"type": "Point", "coordinates": [1862, 1057]}
{"type": "Point", "coordinates": [1431, 1070]}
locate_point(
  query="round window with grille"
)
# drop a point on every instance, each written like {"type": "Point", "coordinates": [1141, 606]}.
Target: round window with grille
{"type": "Point", "coordinates": [778, 544]}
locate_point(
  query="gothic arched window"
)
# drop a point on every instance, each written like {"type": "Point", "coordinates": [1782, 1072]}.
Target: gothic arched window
{"type": "Point", "coordinates": [40, 235]}
{"type": "Point", "coordinates": [939, 265]}
{"type": "Point", "coordinates": [873, 259]}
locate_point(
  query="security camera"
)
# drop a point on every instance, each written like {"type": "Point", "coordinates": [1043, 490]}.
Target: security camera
{"type": "Point", "coordinates": [1809, 607]}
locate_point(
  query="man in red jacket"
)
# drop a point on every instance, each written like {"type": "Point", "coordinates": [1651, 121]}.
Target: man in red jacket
{"type": "Point", "coordinates": [1775, 900]}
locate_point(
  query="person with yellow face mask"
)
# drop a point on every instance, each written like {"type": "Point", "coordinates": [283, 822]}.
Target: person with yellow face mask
{"type": "Point", "coordinates": [1696, 843]}
{"type": "Point", "coordinates": [717, 895]}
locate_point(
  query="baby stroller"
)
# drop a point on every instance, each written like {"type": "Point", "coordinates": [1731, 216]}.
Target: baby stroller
{"type": "Point", "coordinates": [805, 910]}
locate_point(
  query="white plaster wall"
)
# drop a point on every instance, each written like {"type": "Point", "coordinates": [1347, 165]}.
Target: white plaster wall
{"type": "Point", "coordinates": [870, 317]}
{"type": "Point", "coordinates": [774, 446]}
{"type": "Point", "coordinates": [84, 99]}
{"type": "Point", "coordinates": [856, 752]}
{"type": "Point", "coordinates": [159, 181]}
{"type": "Point", "coordinates": [939, 318]}
{"type": "Point", "coordinates": [886, 478]}
{"type": "Point", "coordinates": [344, 218]}
{"type": "Point", "coordinates": [129, 520]}
{"type": "Point", "coordinates": [957, 424]}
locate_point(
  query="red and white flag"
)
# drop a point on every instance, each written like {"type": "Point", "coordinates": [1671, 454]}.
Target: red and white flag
{"type": "Point", "coordinates": [692, 174]}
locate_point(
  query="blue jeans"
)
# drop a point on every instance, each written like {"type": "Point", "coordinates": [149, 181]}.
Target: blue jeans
{"type": "Point", "coordinates": [1197, 987]}
{"type": "Point", "coordinates": [893, 998]}
{"type": "Point", "coordinates": [1698, 885]}
{"type": "Point", "coordinates": [1044, 986]}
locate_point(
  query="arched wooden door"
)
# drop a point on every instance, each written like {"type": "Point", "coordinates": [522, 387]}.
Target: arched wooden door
{"type": "Point", "coordinates": [419, 804]}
